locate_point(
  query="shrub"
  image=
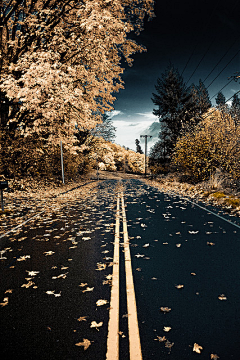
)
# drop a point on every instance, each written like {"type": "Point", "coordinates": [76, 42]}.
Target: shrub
{"type": "Point", "coordinates": [212, 144]}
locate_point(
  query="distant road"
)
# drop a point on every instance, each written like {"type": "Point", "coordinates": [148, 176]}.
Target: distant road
{"type": "Point", "coordinates": [129, 273]}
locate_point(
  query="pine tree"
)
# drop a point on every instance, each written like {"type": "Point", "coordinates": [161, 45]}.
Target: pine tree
{"type": "Point", "coordinates": [138, 147]}
{"type": "Point", "coordinates": [204, 102]}
{"type": "Point", "coordinates": [174, 105]}
{"type": "Point", "coordinates": [235, 109]}
{"type": "Point", "coordinates": [220, 100]}
{"type": "Point", "coordinates": [105, 129]}
{"type": "Point", "coordinates": [200, 101]}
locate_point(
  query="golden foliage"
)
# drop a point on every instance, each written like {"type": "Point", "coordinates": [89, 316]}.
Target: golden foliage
{"type": "Point", "coordinates": [212, 144]}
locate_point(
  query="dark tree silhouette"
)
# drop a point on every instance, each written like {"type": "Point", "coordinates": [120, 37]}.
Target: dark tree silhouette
{"type": "Point", "coordinates": [220, 99]}
{"type": "Point", "coordinates": [235, 109]}
{"type": "Point", "coordinates": [174, 107]}
{"type": "Point", "coordinates": [138, 147]}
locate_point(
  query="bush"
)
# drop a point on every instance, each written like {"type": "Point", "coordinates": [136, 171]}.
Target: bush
{"type": "Point", "coordinates": [212, 144]}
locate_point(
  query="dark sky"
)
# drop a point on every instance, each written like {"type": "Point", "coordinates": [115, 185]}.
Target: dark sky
{"type": "Point", "coordinates": [199, 37]}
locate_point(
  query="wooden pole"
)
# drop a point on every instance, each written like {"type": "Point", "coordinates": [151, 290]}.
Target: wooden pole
{"type": "Point", "coordinates": [62, 162]}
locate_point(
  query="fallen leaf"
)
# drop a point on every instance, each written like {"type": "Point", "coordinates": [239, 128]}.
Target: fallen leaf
{"type": "Point", "coordinates": [179, 286]}
{"type": "Point", "coordinates": [165, 309]}
{"type": "Point", "coordinates": [88, 289]}
{"type": "Point", "coordinates": [48, 253]}
{"type": "Point", "coordinates": [82, 318]}
{"type": "Point", "coordinates": [9, 291]}
{"type": "Point", "coordinates": [193, 274]}
{"type": "Point", "coordinates": [214, 357]}
{"type": "Point", "coordinates": [83, 284]}
{"type": "Point", "coordinates": [101, 266]}
{"type": "Point", "coordinates": [23, 258]}
{"type": "Point", "coordinates": [168, 344]}
{"type": "Point", "coordinates": [96, 325]}
{"type": "Point", "coordinates": [210, 243]}
{"type": "Point", "coordinates": [32, 273]}
{"type": "Point", "coordinates": [222, 297]}
{"type": "Point", "coordinates": [146, 245]}
{"type": "Point", "coordinates": [5, 302]}
{"type": "Point", "coordinates": [57, 295]}
{"type": "Point", "coordinates": [30, 283]}
{"type": "Point", "coordinates": [167, 328]}
{"type": "Point", "coordinates": [49, 292]}
{"type": "Point", "coordinates": [85, 343]}
{"type": "Point", "coordinates": [178, 245]}
{"type": "Point", "coordinates": [197, 348]}
{"type": "Point", "coordinates": [161, 338]}
{"type": "Point", "coordinates": [101, 302]}
{"type": "Point", "coordinates": [121, 334]}
{"type": "Point", "coordinates": [139, 256]}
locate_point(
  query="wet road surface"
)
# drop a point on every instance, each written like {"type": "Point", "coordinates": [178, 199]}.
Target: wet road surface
{"type": "Point", "coordinates": [56, 277]}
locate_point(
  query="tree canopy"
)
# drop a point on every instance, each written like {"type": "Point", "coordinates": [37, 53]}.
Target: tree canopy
{"type": "Point", "coordinates": [61, 60]}
{"type": "Point", "coordinates": [61, 64]}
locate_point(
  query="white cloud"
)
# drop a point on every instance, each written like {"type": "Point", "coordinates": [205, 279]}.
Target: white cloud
{"type": "Point", "coordinates": [148, 115]}
{"type": "Point", "coordinates": [128, 132]}
{"type": "Point", "coordinates": [113, 113]}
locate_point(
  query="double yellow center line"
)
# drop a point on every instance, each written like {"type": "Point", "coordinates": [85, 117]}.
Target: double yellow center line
{"type": "Point", "coordinates": [113, 325]}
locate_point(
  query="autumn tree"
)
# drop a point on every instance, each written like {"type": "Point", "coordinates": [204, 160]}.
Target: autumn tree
{"type": "Point", "coordinates": [60, 63]}
{"type": "Point", "coordinates": [214, 143]}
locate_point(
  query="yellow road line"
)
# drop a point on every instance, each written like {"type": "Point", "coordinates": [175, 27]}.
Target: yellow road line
{"type": "Point", "coordinates": [113, 325]}
{"type": "Point", "coordinates": [133, 329]}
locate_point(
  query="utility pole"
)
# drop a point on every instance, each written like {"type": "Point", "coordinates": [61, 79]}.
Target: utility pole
{"type": "Point", "coordinates": [62, 162]}
{"type": "Point", "coordinates": [145, 136]}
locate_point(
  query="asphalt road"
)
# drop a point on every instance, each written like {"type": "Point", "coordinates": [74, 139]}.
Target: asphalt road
{"type": "Point", "coordinates": [184, 259]}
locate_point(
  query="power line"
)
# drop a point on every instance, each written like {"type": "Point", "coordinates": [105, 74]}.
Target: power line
{"type": "Point", "coordinates": [201, 59]}
{"type": "Point", "coordinates": [215, 108]}
{"type": "Point", "coordinates": [223, 69]}
{"type": "Point", "coordinates": [221, 89]}
{"type": "Point", "coordinates": [236, 3]}
{"type": "Point", "coordinates": [203, 31]}
{"type": "Point", "coordinates": [220, 60]}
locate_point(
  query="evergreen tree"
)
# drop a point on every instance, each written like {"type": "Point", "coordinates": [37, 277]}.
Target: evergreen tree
{"type": "Point", "coordinates": [160, 151]}
{"type": "Point", "coordinates": [105, 129]}
{"type": "Point", "coordinates": [174, 104]}
{"type": "Point", "coordinates": [138, 147]}
{"type": "Point", "coordinates": [235, 109]}
{"type": "Point", "coordinates": [204, 102]}
{"type": "Point", "coordinates": [200, 101]}
{"type": "Point", "coordinates": [220, 100]}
